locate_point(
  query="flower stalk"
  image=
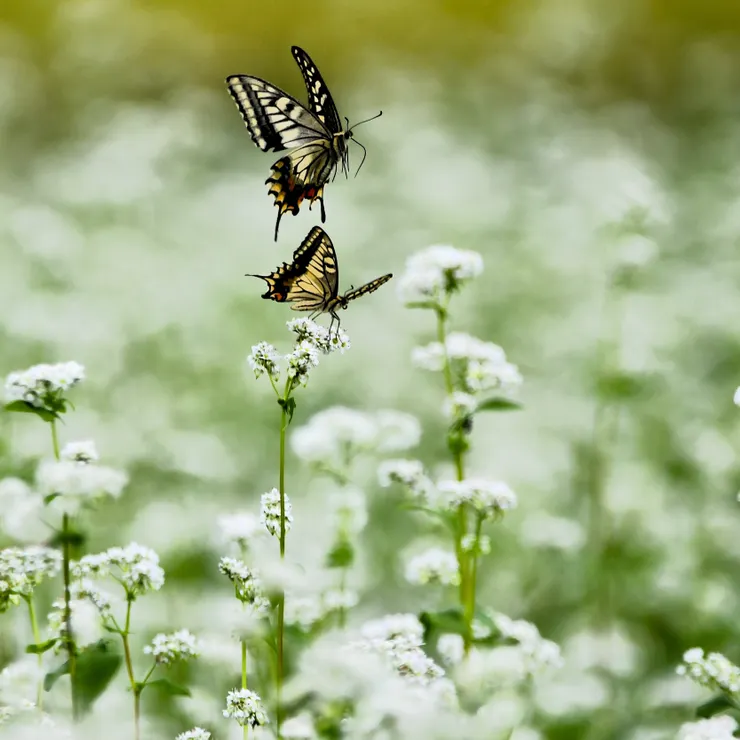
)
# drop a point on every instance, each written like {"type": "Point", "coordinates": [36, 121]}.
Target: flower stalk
{"type": "Point", "coordinates": [40, 657]}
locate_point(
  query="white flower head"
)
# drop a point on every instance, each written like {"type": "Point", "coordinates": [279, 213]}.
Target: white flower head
{"type": "Point", "coordinates": [488, 498]}
{"type": "Point", "coordinates": [332, 434]}
{"type": "Point", "coordinates": [22, 569]}
{"type": "Point", "coordinates": [538, 653]}
{"type": "Point", "coordinates": [452, 648]}
{"type": "Point", "coordinates": [75, 485]}
{"type": "Point", "coordinates": [721, 727]}
{"type": "Point", "coordinates": [21, 511]}
{"type": "Point", "coordinates": [166, 649]}
{"type": "Point", "coordinates": [435, 565]}
{"type": "Point", "coordinates": [246, 708]}
{"type": "Point", "coordinates": [135, 567]}
{"type": "Point", "coordinates": [270, 512]}
{"type": "Point", "coordinates": [43, 386]}
{"type": "Point", "coordinates": [83, 452]}
{"type": "Point", "coordinates": [197, 733]}
{"type": "Point", "coordinates": [264, 359]}
{"type": "Point", "coordinates": [394, 631]}
{"type": "Point", "coordinates": [87, 621]}
{"type": "Point", "coordinates": [714, 671]}
{"type": "Point", "coordinates": [247, 584]}
{"type": "Point", "coordinates": [305, 355]}
{"type": "Point", "coordinates": [307, 330]}
{"type": "Point", "coordinates": [239, 528]}
{"type": "Point", "coordinates": [409, 473]}
{"type": "Point", "coordinates": [436, 271]}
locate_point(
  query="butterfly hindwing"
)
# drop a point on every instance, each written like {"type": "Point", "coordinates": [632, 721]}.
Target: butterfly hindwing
{"type": "Point", "coordinates": [320, 100]}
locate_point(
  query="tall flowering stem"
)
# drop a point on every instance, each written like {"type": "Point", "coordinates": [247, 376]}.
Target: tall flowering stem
{"type": "Point", "coordinates": [37, 641]}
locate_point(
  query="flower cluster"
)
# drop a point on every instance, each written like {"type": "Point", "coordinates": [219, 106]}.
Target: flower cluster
{"type": "Point", "coordinates": [87, 620]}
{"type": "Point", "coordinates": [409, 473]}
{"type": "Point", "coordinates": [166, 649]}
{"type": "Point", "coordinates": [135, 567]}
{"type": "Point", "coordinates": [306, 611]}
{"type": "Point", "coordinates": [435, 565]}
{"type": "Point", "coordinates": [239, 528]}
{"type": "Point", "coordinates": [477, 366]}
{"type": "Point", "coordinates": [488, 498]}
{"type": "Point", "coordinates": [714, 671]}
{"type": "Point", "coordinates": [246, 582]}
{"type": "Point", "coordinates": [22, 569]}
{"type": "Point", "coordinates": [75, 482]}
{"type": "Point", "coordinates": [335, 435]}
{"type": "Point", "coordinates": [270, 512]}
{"type": "Point", "coordinates": [436, 272]}
{"type": "Point", "coordinates": [43, 386]}
{"type": "Point", "coordinates": [717, 728]}
{"type": "Point", "coordinates": [538, 652]}
{"type": "Point", "coordinates": [312, 340]}
{"type": "Point", "coordinates": [246, 708]}
{"type": "Point", "coordinates": [197, 733]}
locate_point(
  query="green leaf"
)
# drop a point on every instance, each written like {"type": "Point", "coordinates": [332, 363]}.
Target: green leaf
{"type": "Point", "coordinates": [23, 407]}
{"type": "Point", "coordinates": [289, 405]}
{"type": "Point", "coordinates": [499, 404]}
{"type": "Point", "coordinates": [41, 647]}
{"type": "Point", "coordinates": [719, 703]}
{"type": "Point", "coordinates": [620, 386]}
{"type": "Point", "coordinates": [168, 687]}
{"type": "Point", "coordinates": [341, 555]}
{"type": "Point", "coordinates": [74, 538]}
{"type": "Point", "coordinates": [442, 622]}
{"type": "Point", "coordinates": [97, 664]}
{"type": "Point", "coordinates": [48, 499]}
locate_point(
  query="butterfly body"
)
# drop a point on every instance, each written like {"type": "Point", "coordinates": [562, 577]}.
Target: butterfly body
{"type": "Point", "coordinates": [311, 281]}
{"type": "Point", "coordinates": [314, 135]}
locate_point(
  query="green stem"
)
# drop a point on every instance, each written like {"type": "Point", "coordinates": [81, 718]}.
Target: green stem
{"type": "Point", "coordinates": [69, 642]}
{"type": "Point", "coordinates": [40, 657]}
{"type": "Point", "coordinates": [462, 524]}
{"type": "Point", "coordinates": [244, 678]}
{"type": "Point", "coordinates": [470, 603]}
{"type": "Point", "coordinates": [130, 669]}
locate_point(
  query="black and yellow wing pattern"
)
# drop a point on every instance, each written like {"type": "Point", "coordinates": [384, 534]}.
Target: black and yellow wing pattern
{"type": "Point", "coordinates": [311, 281]}
{"type": "Point", "coordinates": [277, 121]}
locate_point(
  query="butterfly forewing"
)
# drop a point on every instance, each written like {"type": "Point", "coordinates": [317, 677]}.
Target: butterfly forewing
{"type": "Point", "coordinates": [320, 100]}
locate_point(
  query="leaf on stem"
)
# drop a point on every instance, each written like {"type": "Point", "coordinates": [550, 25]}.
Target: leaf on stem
{"type": "Point", "coordinates": [41, 647]}
{"type": "Point", "coordinates": [289, 405]}
{"type": "Point", "coordinates": [442, 622]}
{"type": "Point", "coordinates": [168, 687]}
{"type": "Point", "coordinates": [23, 407]}
{"type": "Point", "coordinates": [341, 555]}
{"type": "Point", "coordinates": [499, 404]}
{"type": "Point", "coordinates": [720, 703]}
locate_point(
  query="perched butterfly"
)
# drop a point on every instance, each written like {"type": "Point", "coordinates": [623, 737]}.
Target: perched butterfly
{"type": "Point", "coordinates": [311, 281]}
{"type": "Point", "coordinates": [277, 121]}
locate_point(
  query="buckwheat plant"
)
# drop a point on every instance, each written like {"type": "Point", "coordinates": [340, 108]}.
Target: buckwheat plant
{"type": "Point", "coordinates": [477, 377]}
{"type": "Point", "coordinates": [137, 571]}
{"type": "Point", "coordinates": [67, 484]}
{"type": "Point", "coordinates": [311, 342]}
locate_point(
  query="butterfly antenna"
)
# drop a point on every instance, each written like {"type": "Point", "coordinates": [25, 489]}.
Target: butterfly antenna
{"type": "Point", "coordinates": [363, 155]}
{"type": "Point", "coordinates": [372, 118]}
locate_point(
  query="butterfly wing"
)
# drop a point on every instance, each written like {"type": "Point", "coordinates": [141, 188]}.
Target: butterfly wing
{"type": "Point", "coordinates": [274, 119]}
{"type": "Point", "coordinates": [320, 100]}
{"type": "Point", "coordinates": [370, 287]}
{"type": "Point", "coordinates": [316, 287]}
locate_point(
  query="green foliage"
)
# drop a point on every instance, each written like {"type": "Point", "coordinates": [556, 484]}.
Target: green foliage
{"type": "Point", "coordinates": [166, 686]}
{"type": "Point", "coordinates": [23, 407]}
{"type": "Point", "coordinates": [42, 647]}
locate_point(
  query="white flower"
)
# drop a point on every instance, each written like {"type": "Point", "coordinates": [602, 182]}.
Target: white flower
{"type": "Point", "coordinates": [396, 431]}
{"type": "Point", "coordinates": [76, 485]}
{"type": "Point", "coordinates": [736, 399]}
{"type": "Point", "coordinates": [166, 649]}
{"type": "Point", "coordinates": [437, 270]}
{"type": "Point", "coordinates": [264, 359]}
{"type": "Point", "coordinates": [43, 386]}
{"type": "Point", "coordinates": [333, 432]}
{"type": "Point", "coordinates": [246, 708]}
{"type": "Point", "coordinates": [409, 473]}
{"type": "Point", "coordinates": [538, 652]}
{"type": "Point", "coordinates": [21, 511]}
{"type": "Point", "coordinates": [394, 631]}
{"type": "Point", "coordinates": [135, 567]}
{"type": "Point", "coordinates": [339, 600]}
{"type": "Point", "coordinates": [435, 565]}
{"type": "Point", "coordinates": [488, 498]}
{"type": "Point", "coordinates": [22, 569]}
{"type": "Point", "coordinates": [309, 331]}
{"type": "Point", "coordinates": [87, 621]}
{"type": "Point", "coordinates": [348, 511]}
{"type": "Point", "coordinates": [452, 648]}
{"type": "Point", "coordinates": [247, 584]}
{"type": "Point", "coordinates": [304, 611]}
{"type": "Point", "coordinates": [415, 664]}
{"type": "Point", "coordinates": [299, 727]}
{"type": "Point", "coordinates": [459, 405]}
{"type": "Point", "coordinates": [197, 733]}
{"type": "Point", "coordinates": [270, 512]}
{"type": "Point", "coordinates": [305, 355]}
{"type": "Point", "coordinates": [714, 671]}
{"type": "Point", "coordinates": [80, 452]}
{"type": "Point", "coordinates": [239, 528]}
{"type": "Point", "coordinates": [721, 727]}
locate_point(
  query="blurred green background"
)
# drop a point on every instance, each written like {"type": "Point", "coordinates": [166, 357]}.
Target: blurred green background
{"type": "Point", "coordinates": [562, 139]}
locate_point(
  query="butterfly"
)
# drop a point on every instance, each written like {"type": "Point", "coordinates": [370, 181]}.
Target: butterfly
{"type": "Point", "coordinates": [311, 281]}
{"type": "Point", "coordinates": [277, 121]}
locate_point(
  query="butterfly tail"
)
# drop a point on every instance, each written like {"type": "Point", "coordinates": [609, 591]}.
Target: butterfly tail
{"type": "Point", "coordinates": [287, 192]}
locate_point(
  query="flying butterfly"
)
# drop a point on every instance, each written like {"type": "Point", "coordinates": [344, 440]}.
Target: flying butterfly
{"type": "Point", "coordinates": [311, 281]}
{"type": "Point", "coordinates": [277, 121]}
